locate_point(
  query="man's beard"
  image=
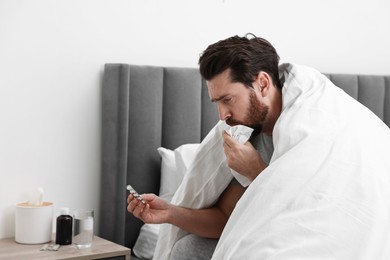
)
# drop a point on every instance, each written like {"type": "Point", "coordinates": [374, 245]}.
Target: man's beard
{"type": "Point", "coordinates": [255, 116]}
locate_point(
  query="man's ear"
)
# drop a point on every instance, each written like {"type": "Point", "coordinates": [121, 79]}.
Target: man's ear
{"type": "Point", "coordinates": [263, 83]}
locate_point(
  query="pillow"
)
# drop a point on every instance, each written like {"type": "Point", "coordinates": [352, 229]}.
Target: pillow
{"type": "Point", "coordinates": [169, 174]}
{"type": "Point", "coordinates": [184, 156]}
{"type": "Point", "coordinates": [174, 165]}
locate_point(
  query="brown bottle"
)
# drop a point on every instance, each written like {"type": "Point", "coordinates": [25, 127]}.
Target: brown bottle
{"type": "Point", "coordinates": [64, 228]}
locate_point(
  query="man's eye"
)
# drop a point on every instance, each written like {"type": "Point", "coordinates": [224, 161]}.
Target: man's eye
{"type": "Point", "coordinates": [227, 100]}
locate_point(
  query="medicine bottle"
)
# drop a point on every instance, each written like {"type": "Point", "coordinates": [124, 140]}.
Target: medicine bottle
{"type": "Point", "coordinates": [64, 228]}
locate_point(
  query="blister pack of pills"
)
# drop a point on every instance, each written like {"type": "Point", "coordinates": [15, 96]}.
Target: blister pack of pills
{"type": "Point", "coordinates": [135, 194]}
{"type": "Point", "coordinates": [50, 247]}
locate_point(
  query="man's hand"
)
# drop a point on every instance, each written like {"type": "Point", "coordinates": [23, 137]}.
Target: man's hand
{"type": "Point", "coordinates": [243, 158]}
{"type": "Point", "coordinates": [155, 211]}
{"type": "Point", "coordinates": [208, 222]}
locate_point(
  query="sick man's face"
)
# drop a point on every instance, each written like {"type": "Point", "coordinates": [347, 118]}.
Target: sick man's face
{"type": "Point", "coordinates": [237, 104]}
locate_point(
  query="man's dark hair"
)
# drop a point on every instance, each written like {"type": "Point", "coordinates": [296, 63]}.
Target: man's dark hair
{"type": "Point", "coordinates": [244, 56]}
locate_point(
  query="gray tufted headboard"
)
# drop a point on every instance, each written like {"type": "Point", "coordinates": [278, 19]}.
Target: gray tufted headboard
{"type": "Point", "coordinates": [145, 107]}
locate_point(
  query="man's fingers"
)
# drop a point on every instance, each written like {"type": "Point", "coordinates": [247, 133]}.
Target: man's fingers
{"type": "Point", "coordinates": [138, 210]}
{"type": "Point", "coordinates": [132, 204]}
{"type": "Point", "coordinates": [227, 139]}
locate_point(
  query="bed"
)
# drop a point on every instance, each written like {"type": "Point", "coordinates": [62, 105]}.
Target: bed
{"type": "Point", "coordinates": [147, 107]}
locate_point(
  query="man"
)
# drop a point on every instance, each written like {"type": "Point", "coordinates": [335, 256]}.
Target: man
{"type": "Point", "coordinates": [209, 223]}
{"type": "Point", "coordinates": [325, 193]}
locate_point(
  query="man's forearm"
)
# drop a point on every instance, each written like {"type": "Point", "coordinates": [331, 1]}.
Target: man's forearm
{"type": "Point", "coordinates": [202, 222]}
{"type": "Point", "coordinates": [208, 222]}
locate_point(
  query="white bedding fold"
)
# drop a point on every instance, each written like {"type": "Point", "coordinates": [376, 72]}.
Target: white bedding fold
{"type": "Point", "coordinates": [205, 180]}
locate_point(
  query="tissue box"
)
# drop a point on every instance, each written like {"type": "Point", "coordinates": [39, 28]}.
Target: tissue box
{"type": "Point", "coordinates": [33, 224]}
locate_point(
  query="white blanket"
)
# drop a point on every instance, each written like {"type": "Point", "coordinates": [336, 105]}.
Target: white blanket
{"type": "Point", "coordinates": [326, 192]}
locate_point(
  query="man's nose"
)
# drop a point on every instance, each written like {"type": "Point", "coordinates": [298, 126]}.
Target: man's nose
{"type": "Point", "coordinates": [223, 112]}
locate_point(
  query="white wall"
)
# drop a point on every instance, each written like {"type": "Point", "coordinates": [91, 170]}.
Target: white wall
{"type": "Point", "coordinates": [52, 54]}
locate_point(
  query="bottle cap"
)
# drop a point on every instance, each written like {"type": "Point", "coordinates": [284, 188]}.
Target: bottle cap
{"type": "Point", "coordinates": [64, 211]}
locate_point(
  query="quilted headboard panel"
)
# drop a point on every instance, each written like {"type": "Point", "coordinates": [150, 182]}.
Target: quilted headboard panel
{"type": "Point", "coordinates": [145, 107]}
{"type": "Point", "coordinates": [371, 91]}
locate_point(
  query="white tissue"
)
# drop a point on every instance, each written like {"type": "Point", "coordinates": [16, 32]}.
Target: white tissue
{"type": "Point", "coordinates": [36, 198]}
{"type": "Point", "coordinates": [242, 134]}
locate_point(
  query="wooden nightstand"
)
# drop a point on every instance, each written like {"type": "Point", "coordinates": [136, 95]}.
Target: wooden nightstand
{"type": "Point", "coordinates": [100, 249]}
